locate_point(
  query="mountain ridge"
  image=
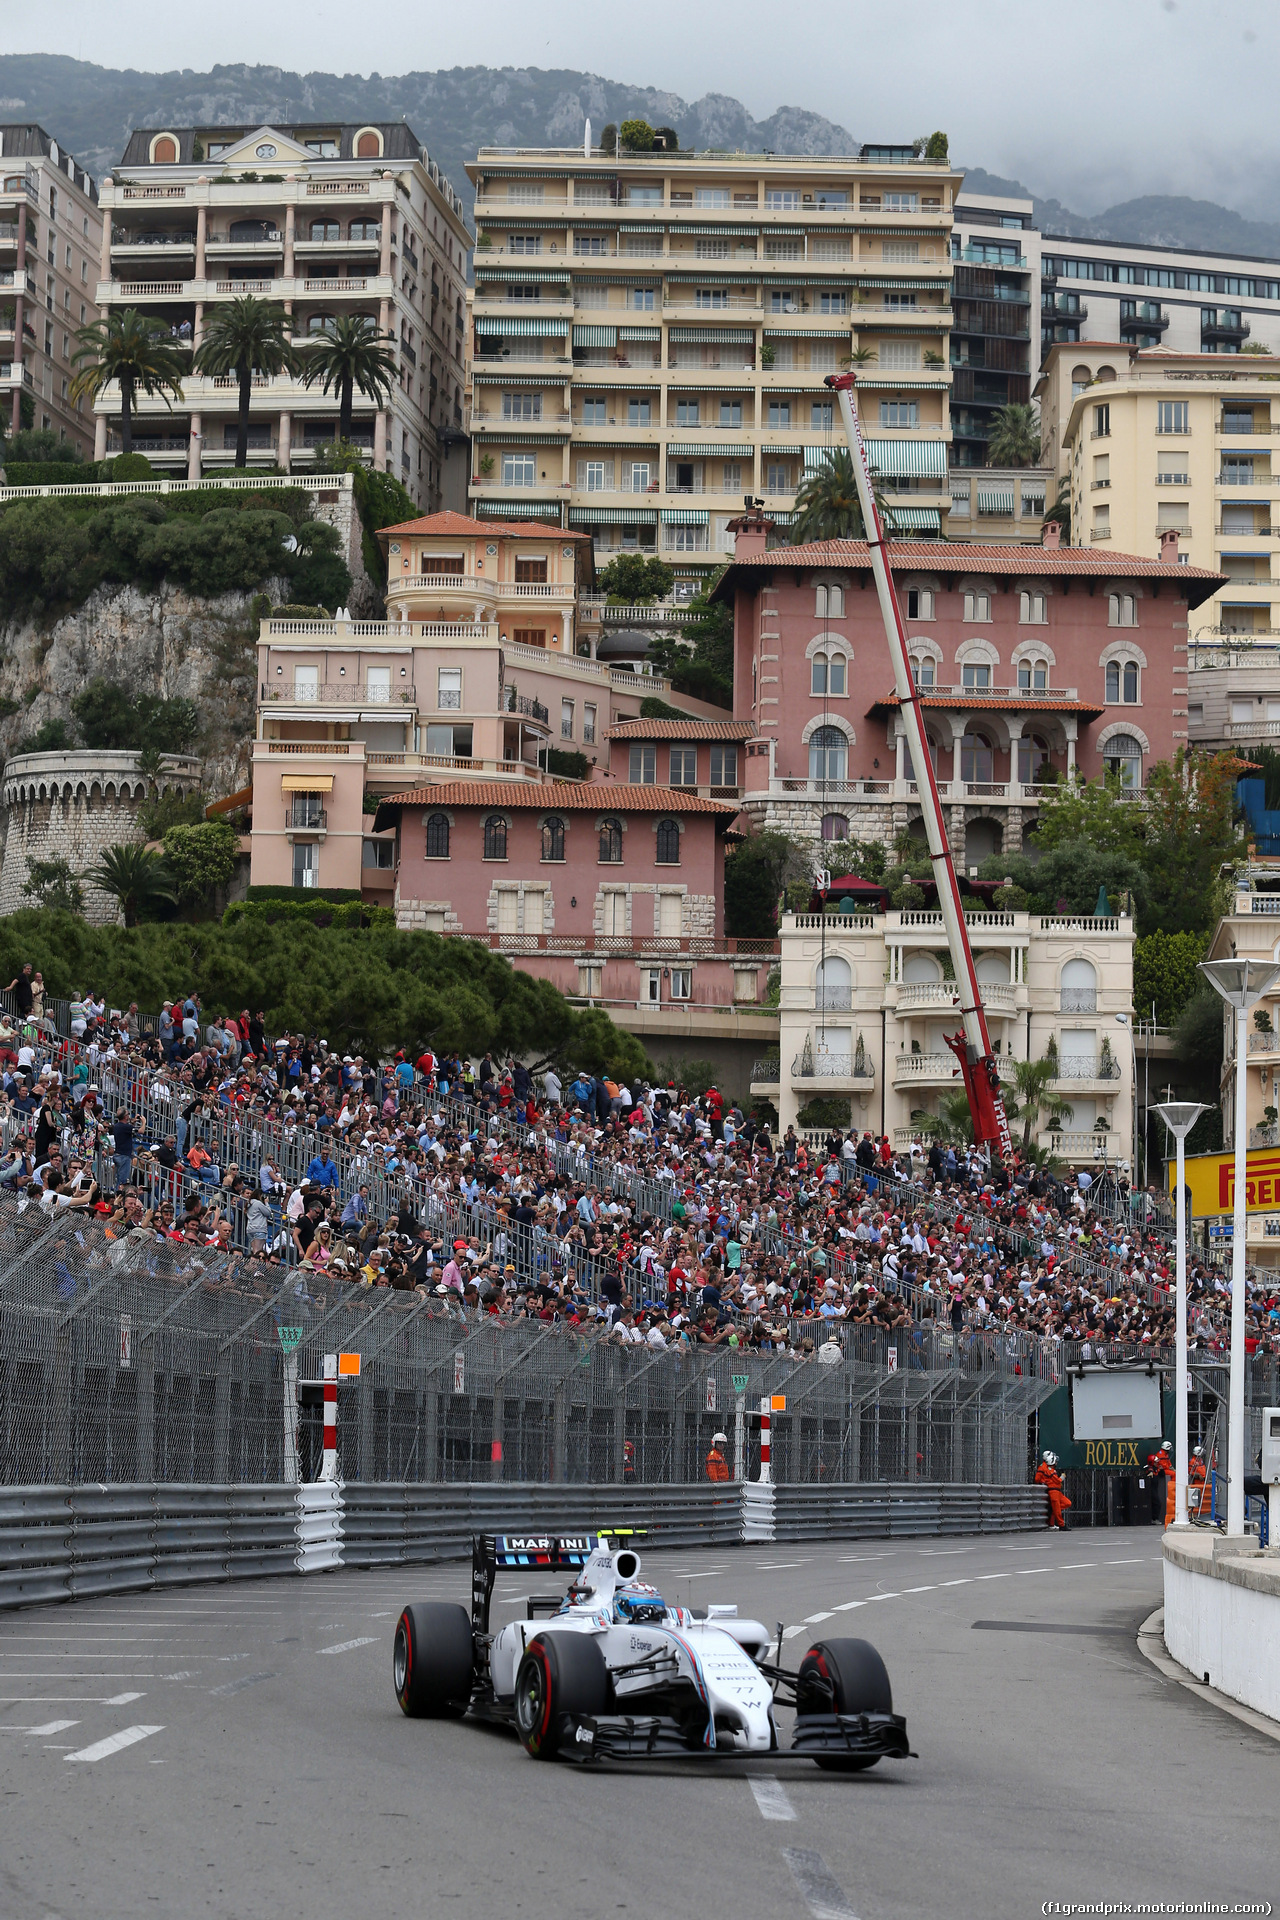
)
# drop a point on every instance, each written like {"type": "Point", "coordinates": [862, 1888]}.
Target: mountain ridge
{"type": "Point", "coordinates": [91, 109]}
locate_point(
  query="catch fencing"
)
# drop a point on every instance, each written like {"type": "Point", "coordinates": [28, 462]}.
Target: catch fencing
{"type": "Point", "coordinates": [137, 1360]}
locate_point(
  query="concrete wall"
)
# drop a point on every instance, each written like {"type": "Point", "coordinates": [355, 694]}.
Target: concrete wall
{"type": "Point", "coordinates": [1222, 1618]}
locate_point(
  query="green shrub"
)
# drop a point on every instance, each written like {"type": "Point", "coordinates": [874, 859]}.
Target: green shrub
{"type": "Point", "coordinates": [321, 913]}
{"type": "Point", "coordinates": [567, 766]}
{"type": "Point", "coordinates": [128, 466]}
{"type": "Point", "coordinates": [332, 895]}
{"type": "Point", "coordinates": [47, 473]}
{"type": "Point", "coordinates": [112, 720]}
{"type": "Point", "coordinates": [53, 737]}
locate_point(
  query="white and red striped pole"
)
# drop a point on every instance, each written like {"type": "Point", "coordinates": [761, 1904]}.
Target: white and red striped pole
{"type": "Point", "coordinates": [329, 1466]}
{"type": "Point", "coordinates": [765, 1409]}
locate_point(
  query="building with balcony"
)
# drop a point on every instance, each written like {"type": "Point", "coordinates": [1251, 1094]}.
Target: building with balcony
{"type": "Point", "coordinates": [1158, 444]}
{"type": "Point", "coordinates": [696, 756]}
{"type": "Point", "coordinates": [1175, 297]}
{"type": "Point", "coordinates": [650, 334]}
{"type": "Point", "coordinates": [998, 505]}
{"type": "Point", "coordinates": [479, 670]}
{"type": "Point", "coordinates": [327, 219]}
{"type": "Point", "coordinates": [866, 1000]}
{"type": "Point", "coordinates": [1031, 663]}
{"type": "Point", "coordinates": [50, 240]}
{"type": "Point", "coordinates": [995, 264]}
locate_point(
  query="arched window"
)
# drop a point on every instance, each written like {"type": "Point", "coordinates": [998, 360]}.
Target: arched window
{"type": "Point", "coordinates": [668, 843]}
{"type": "Point", "coordinates": [165, 151]}
{"type": "Point", "coordinates": [835, 826]}
{"type": "Point", "coordinates": [326, 230]}
{"type": "Point", "coordinates": [611, 841]}
{"type": "Point", "coordinates": [438, 836]}
{"type": "Point", "coordinates": [923, 670]}
{"type": "Point", "coordinates": [828, 674]}
{"type": "Point", "coordinates": [495, 837]}
{"type": "Point", "coordinates": [976, 759]}
{"type": "Point", "coordinates": [830, 602]}
{"type": "Point", "coordinates": [1033, 754]}
{"type": "Point", "coordinates": [919, 969]}
{"type": "Point", "coordinates": [1079, 987]}
{"type": "Point", "coordinates": [1121, 610]}
{"type": "Point", "coordinates": [368, 145]}
{"type": "Point", "coordinates": [1033, 676]}
{"type": "Point", "coordinates": [834, 984]}
{"type": "Point", "coordinates": [828, 754]}
{"type": "Point", "coordinates": [1122, 682]}
{"type": "Point", "coordinates": [1131, 682]}
{"type": "Point", "coordinates": [365, 230]}
{"type": "Point", "coordinates": [1122, 756]}
{"type": "Point", "coordinates": [321, 323]}
{"type": "Point", "coordinates": [553, 838]}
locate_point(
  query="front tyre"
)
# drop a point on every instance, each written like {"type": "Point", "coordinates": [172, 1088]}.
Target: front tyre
{"type": "Point", "coordinates": [561, 1675]}
{"type": "Point", "coordinates": [432, 1660]}
{"type": "Point", "coordinates": [843, 1676]}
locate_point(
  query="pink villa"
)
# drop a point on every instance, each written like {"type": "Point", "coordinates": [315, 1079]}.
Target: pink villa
{"type": "Point", "coordinates": [1032, 661]}
{"type": "Point", "coordinates": [610, 890]}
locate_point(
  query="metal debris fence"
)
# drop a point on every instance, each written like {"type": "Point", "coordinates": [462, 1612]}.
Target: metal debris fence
{"type": "Point", "coordinates": [132, 1360]}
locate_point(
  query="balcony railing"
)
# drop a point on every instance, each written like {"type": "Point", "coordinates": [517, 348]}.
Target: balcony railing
{"type": "Point", "coordinates": [341, 693]}
{"type": "Point", "coordinates": [767, 1072]}
{"type": "Point", "coordinates": [306, 819]}
{"type": "Point", "coordinates": [1078, 1000]}
{"type": "Point", "coordinates": [1087, 1066]}
{"type": "Point", "coordinates": [1264, 1136]}
{"type": "Point", "coordinates": [525, 704]}
{"type": "Point", "coordinates": [832, 999]}
{"type": "Point", "coordinates": [1264, 1042]}
{"type": "Point", "coordinates": [472, 584]}
{"type": "Point", "coordinates": [922, 995]}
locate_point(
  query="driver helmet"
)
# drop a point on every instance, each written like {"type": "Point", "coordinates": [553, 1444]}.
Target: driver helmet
{"type": "Point", "coordinates": [1050, 1458]}
{"type": "Point", "coordinates": [638, 1601]}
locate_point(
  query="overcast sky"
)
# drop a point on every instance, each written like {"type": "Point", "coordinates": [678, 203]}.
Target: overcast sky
{"type": "Point", "coordinates": [1094, 102]}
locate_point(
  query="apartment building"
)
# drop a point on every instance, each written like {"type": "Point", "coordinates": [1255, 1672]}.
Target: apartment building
{"type": "Point", "coordinates": [1174, 297]}
{"type": "Point", "coordinates": [478, 672]}
{"type": "Point", "coordinates": [50, 240]}
{"type": "Point", "coordinates": [995, 253]}
{"type": "Point", "coordinates": [651, 332]}
{"type": "Point", "coordinates": [1159, 443]}
{"type": "Point", "coordinates": [326, 218]}
{"type": "Point", "coordinates": [865, 1003]}
{"type": "Point", "coordinates": [1032, 663]}
{"type": "Point", "coordinates": [998, 504]}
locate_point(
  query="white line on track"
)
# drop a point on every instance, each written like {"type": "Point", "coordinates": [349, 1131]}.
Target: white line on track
{"type": "Point", "coordinates": [1135, 1562]}
{"type": "Point", "coordinates": [345, 1646]}
{"type": "Point", "coordinates": [819, 1888]}
{"type": "Point", "coordinates": [122, 1699]}
{"type": "Point", "coordinates": [114, 1743]}
{"type": "Point", "coordinates": [771, 1797]}
{"type": "Point", "coordinates": [49, 1727]}
{"type": "Point", "coordinates": [777, 1566]}
{"type": "Point", "coordinates": [812, 1619]}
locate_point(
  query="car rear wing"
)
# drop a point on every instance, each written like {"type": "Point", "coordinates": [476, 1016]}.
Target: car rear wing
{"type": "Point", "coordinates": [540, 1552]}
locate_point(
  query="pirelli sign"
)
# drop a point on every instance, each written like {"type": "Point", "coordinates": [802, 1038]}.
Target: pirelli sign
{"type": "Point", "coordinates": [1211, 1181]}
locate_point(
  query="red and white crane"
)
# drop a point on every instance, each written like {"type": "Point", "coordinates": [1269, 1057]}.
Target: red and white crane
{"type": "Point", "coordinates": [972, 1047]}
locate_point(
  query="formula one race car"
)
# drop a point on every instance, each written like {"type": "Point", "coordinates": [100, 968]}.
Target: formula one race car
{"type": "Point", "coordinates": [618, 1674]}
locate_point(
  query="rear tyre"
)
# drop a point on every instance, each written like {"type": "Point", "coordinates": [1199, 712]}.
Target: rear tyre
{"type": "Point", "coordinates": [843, 1676]}
{"type": "Point", "coordinates": [560, 1674]}
{"type": "Point", "coordinates": [432, 1660]}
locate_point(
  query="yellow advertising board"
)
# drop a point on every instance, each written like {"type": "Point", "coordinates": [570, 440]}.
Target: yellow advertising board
{"type": "Point", "coordinates": [1211, 1178]}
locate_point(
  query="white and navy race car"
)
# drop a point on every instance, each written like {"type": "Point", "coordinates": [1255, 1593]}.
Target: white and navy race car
{"type": "Point", "coordinates": [615, 1673]}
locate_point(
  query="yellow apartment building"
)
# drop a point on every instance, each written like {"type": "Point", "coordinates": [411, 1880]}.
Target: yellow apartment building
{"type": "Point", "coordinates": [651, 332]}
{"type": "Point", "coordinates": [1157, 443]}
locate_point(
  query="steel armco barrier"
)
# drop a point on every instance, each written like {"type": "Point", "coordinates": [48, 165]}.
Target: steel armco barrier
{"type": "Point", "coordinates": [73, 1543]}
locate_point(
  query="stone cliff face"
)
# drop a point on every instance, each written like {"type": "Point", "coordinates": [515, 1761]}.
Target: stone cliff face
{"type": "Point", "coordinates": [164, 642]}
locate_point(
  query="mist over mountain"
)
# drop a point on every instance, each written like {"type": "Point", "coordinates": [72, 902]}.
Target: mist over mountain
{"type": "Point", "coordinates": [92, 109]}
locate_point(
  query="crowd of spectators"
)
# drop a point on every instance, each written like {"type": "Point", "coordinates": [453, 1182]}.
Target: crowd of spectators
{"type": "Point", "coordinates": [654, 1217]}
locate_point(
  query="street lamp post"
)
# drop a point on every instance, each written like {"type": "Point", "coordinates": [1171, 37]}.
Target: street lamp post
{"type": "Point", "coordinates": [1241, 983]}
{"type": "Point", "coordinates": [1180, 1116]}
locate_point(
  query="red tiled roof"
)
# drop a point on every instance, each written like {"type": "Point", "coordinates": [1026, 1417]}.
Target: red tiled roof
{"type": "Point", "coordinates": [567, 796]}
{"type": "Point", "coordinates": [936, 556]}
{"type": "Point", "coordinates": [457, 526]}
{"type": "Point", "coordinates": [681, 730]}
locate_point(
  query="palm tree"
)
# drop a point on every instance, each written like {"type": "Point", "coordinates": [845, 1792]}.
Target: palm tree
{"type": "Point", "coordinates": [245, 337]}
{"type": "Point", "coordinates": [951, 1125]}
{"type": "Point", "coordinates": [138, 352]}
{"type": "Point", "coordinates": [133, 877]}
{"type": "Point", "coordinates": [1032, 1080]}
{"type": "Point", "coordinates": [859, 357]}
{"type": "Point", "coordinates": [352, 353]}
{"type": "Point", "coordinates": [827, 505]}
{"type": "Point", "coordinates": [1015, 437]}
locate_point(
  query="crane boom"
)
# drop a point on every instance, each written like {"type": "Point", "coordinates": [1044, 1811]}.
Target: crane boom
{"type": "Point", "coordinates": [972, 1047]}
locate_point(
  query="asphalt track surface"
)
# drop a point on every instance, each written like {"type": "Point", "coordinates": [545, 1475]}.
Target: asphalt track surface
{"type": "Point", "coordinates": [238, 1752]}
